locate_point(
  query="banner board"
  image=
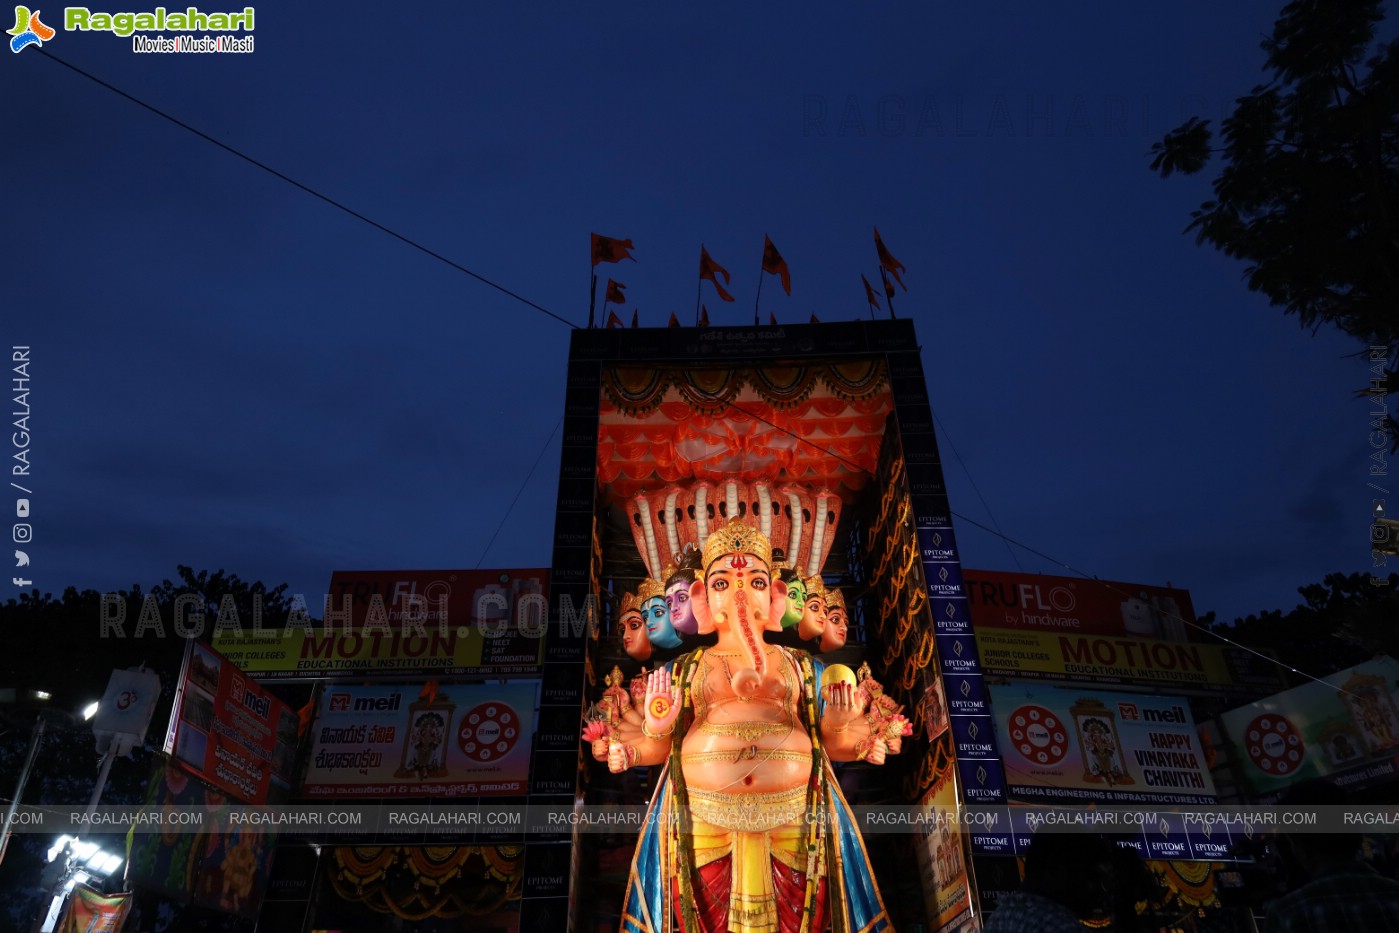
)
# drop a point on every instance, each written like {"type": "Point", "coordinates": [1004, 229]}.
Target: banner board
{"type": "Point", "coordinates": [447, 622]}
{"type": "Point", "coordinates": [1099, 659]}
{"type": "Point", "coordinates": [411, 740]}
{"type": "Point", "coordinates": [1069, 744]}
{"type": "Point", "coordinates": [1073, 605]}
{"type": "Point", "coordinates": [218, 861]}
{"type": "Point", "coordinates": [942, 858]}
{"type": "Point", "coordinates": [231, 732]}
{"type": "Point", "coordinates": [1341, 727]}
{"type": "Point", "coordinates": [91, 911]}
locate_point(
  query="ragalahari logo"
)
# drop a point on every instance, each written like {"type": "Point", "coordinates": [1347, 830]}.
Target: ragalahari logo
{"type": "Point", "coordinates": [29, 30]}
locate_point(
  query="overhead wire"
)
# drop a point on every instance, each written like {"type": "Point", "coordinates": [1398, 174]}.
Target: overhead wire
{"type": "Point", "coordinates": [308, 190]}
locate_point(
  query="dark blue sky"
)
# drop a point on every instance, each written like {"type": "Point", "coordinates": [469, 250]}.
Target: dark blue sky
{"type": "Point", "coordinates": [229, 373]}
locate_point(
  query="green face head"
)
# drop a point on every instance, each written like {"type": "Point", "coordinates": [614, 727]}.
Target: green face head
{"type": "Point", "coordinates": [796, 601]}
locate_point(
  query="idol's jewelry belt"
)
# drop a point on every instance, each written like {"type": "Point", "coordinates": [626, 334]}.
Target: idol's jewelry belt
{"type": "Point", "coordinates": [751, 753]}
{"type": "Point", "coordinates": [748, 813]}
{"type": "Point", "coordinates": [746, 731]}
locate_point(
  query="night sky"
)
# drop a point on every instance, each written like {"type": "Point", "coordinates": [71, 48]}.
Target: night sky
{"type": "Point", "coordinates": [229, 373]}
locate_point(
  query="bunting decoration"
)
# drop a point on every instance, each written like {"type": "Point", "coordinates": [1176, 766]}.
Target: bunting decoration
{"type": "Point", "coordinates": [869, 292]}
{"type": "Point", "coordinates": [887, 261]}
{"type": "Point", "coordinates": [606, 249]}
{"type": "Point", "coordinates": [614, 294]}
{"type": "Point", "coordinates": [776, 265]}
{"type": "Point", "coordinates": [708, 270]}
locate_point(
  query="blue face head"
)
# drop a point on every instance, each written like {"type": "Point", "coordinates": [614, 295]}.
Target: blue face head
{"type": "Point", "coordinates": [658, 625]}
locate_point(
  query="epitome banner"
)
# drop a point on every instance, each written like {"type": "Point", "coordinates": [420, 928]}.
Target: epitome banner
{"type": "Point", "coordinates": [1068, 744]}
{"type": "Point", "coordinates": [415, 740]}
{"type": "Point", "coordinates": [231, 732]}
{"type": "Point", "coordinates": [446, 622]}
{"type": "Point", "coordinates": [1040, 603]}
{"type": "Point", "coordinates": [1345, 728]}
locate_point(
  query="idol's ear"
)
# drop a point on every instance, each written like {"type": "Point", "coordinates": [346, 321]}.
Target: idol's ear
{"type": "Point", "coordinates": [699, 605]}
{"type": "Point", "coordinates": [778, 589]}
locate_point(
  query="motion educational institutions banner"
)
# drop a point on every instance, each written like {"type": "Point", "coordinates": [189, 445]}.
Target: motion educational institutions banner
{"type": "Point", "coordinates": [231, 732]}
{"type": "Point", "coordinates": [447, 623]}
{"type": "Point", "coordinates": [1069, 744]}
{"type": "Point", "coordinates": [416, 740]}
{"type": "Point", "coordinates": [1344, 727]}
{"type": "Point", "coordinates": [1098, 659]}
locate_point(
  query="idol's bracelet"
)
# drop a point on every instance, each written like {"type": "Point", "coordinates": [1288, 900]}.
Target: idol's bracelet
{"type": "Point", "coordinates": [652, 735]}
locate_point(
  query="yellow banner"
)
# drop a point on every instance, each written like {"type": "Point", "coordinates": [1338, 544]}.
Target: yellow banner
{"type": "Point", "coordinates": [369, 650]}
{"type": "Point", "coordinates": [1114, 659]}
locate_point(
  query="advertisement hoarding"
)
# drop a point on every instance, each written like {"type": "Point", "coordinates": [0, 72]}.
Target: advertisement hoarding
{"type": "Point", "coordinates": [415, 740]}
{"type": "Point", "coordinates": [219, 862]}
{"type": "Point", "coordinates": [1340, 727]}
{"type": "Point", "coordinates": [1181, 667]}
{"type": "Point", "coordinates": [230, 731]}
{"type": "Point", "coordinates": [1073, 605]}
{"type": "Point", "coordinates": [450, 622]}
{"type": "Point", "coordinates": [1072, 745]}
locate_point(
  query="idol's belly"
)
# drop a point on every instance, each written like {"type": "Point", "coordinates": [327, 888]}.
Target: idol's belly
{"type": "Point", "coordinates": [746, 757]}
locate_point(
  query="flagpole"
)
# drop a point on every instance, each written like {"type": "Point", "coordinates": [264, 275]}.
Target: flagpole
{"type": "Point", "coordinates": [888, 292]}
{"type": "Point", "coordinates": [759, 296]}
{"type": "Point", "coordinates": [592, 300]}
{"type": "Point", "coordinates": [698, 284]}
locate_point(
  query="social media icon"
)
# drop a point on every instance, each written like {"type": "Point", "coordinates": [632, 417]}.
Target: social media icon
{"type": "Point", "coordinates": [19, 581]}
{"type": "Point", "coordinates": [21, 508]}
{"type": "Point", "coordinates": [21, 559]}
{"type": "Point", "coordinates": [23, 533]}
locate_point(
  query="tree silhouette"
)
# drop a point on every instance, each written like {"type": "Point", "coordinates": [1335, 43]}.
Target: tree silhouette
{"type": "Point", "coordinates": [1308, 194]}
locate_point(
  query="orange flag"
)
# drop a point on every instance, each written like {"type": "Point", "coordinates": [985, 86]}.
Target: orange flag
{"type": "Point", "coordinates": [772, 319]}
{"type": "Point", "coordinates": [888, 261]}
{"type": "Point", "coordinates": [613, 320]}
{"type": "Point", "coordinates": [614, 293]}
{"type": "Point", "coordinates": [606, 249]}
{"type": "Point", "coordinates": [774, 263]}
{"type": "Point", "coordinates": [674, 321]}
{"type": "Point", "coordinates": [869, 291]}
{"type": "Point", "coordinates": [633, 317]}
{"type": "Point", "coordinates": [704, 316]}
{"type": "Point", "coordinates": [708, 268]}
{"type": "Point", "coordinates": [815, 319]}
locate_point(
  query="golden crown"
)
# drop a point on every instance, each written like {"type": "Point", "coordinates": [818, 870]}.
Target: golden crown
{"type": "Point", "coordinates": [737, 538]}
{"type": "Point", "coordinates": [835, 599]}
{"type": "Point", "coordinates": [815, 586]}
{"type": "Point", "coordinates": [649, 589]}
{"type": "Point", "coordinates": [629, 604]}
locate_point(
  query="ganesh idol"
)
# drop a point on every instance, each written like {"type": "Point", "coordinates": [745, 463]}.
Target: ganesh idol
{"type": "Point", "coordinates": [748, 830]}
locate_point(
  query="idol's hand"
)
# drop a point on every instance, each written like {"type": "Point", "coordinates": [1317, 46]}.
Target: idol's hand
{"type": "Point", "coordinates": [878, 749]}
{"type": "Point", "coordinates": [843, 706]}
{"type": "Point", "coordinates": [620, 757]}
{"type": "Point", "coordinates": [662, 704]}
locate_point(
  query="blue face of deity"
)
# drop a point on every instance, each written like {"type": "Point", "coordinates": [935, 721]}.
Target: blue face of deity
{"type": "Point", "coordinates": [658, 625]}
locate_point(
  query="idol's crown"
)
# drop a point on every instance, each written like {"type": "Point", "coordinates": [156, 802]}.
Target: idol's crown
{"type": "Point", "coordinates": [737, 538]}
{"type": "Point", "coordinates": [649, 589]}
